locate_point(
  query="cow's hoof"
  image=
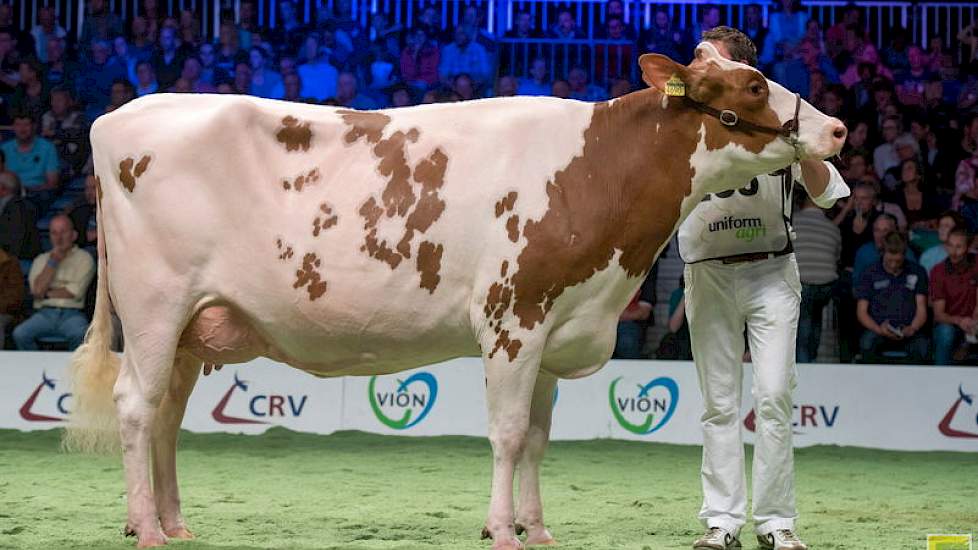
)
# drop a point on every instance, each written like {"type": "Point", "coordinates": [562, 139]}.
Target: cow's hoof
{"type": "Point", "coordinates": [178, 533]}
{"type": "Point", "coordinates": [485, 534]}
{"type": "Point", "coordinates": [152, 540]}
{"type": "Point", "coordinates": [511, 544]}
{"type": "Point", "coordinates": [129, 531]}
{"type": "Point", "coordinates": [536, 537]}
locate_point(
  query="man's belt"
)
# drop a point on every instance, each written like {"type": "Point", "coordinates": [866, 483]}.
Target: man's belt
{"type": "Point", "coordinates": [757, 256]}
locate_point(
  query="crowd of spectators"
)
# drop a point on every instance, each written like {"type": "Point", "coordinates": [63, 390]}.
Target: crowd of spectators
{"type": "Point", "coordinates": [894, 259]}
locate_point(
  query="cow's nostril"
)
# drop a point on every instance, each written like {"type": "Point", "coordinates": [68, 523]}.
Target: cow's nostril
{"type": "Point", "coordinates": [839, 133]}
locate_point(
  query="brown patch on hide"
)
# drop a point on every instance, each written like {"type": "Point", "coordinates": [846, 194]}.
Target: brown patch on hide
{"type": "Point", "coordinates": [308, 179]}
{"type": "Point", "coordinates": [294, 135]}
{"type": "Point", "coordinates": [308, 276]}
{"type": "Point", "coordinates": [513, 228]}
{"type": "Point", "coordinates": [364, 124]}
{"type": "Point", "coordinates": [429, 264]}
{"type": "Point", "coordinates": [506, 204]}
{"type": "Point", "coordinates": [286, 250]}
{"type": "Point", "coordinates": [503, 342]}
{"type": "Point", "coordinates": [325, 221]}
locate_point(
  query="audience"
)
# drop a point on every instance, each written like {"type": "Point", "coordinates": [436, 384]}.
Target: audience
{"type": "Point", "coordinates": [11, 292]}
{"type": "Point", "coordinates": [911, 157]}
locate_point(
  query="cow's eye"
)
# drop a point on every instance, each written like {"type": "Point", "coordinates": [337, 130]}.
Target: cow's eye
{"type": "Point", "coordinates": [756, 89]}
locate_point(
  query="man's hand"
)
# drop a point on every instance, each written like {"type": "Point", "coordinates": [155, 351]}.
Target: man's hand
{"type": "Point", "coordinates": [210, 366]}
{"type": "Point", "coordinates": [60, 293]}
{"type": "Point", "coordinates": [967, 324]}
{"type": "Point", "coordinates": [859, 223]}
{"type": "Point", "coordinates": [58, 254]}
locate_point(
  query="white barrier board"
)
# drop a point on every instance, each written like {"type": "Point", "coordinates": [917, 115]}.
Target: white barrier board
{"type": "Point", "coordinates": [885, 407]}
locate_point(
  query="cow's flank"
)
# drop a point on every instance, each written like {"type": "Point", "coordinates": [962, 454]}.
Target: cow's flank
{"type": "Point", "coordinates": [411, 194]}
{"type": "Point", "coordinates": [294, 135]}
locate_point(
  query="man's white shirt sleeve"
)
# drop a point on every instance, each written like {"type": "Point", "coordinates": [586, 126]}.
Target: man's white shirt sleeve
{"type": "Point", "coordinates": [835, 190]}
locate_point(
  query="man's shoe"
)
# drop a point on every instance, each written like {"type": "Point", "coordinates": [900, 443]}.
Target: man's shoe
{"type": "Point", "coordinates": [781, 539]}
{"type": "Point", "coordinates": [716, 538]}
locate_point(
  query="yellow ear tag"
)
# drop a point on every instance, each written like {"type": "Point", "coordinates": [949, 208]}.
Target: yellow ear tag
{"type": "Point", "coordinates": [675, 86]}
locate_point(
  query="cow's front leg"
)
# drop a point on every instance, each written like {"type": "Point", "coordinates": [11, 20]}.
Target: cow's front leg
{"type": "Point", "coordinates": [529, 517]}
{"type": "Point", "coordinates": [509, 388]}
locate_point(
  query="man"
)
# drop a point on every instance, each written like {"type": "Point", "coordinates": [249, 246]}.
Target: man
{"type": "Point", "coordinates": [870, 253]}
{"type": "Point", "coordinates": [58, 280]}
{"type": "Point", "coordinates": [953, 297]}
{"type": "Point", "coordinates": [34, 160]}
{"type": "Point", "coordinates": [11, 292]}
{"type": "Point", "coordinates": [741, 270]}
{"type": "Point", "coordinates": [817, 248]}
{"type": "Point", "coordinates": [18, 232]}
{"type": "Point", "coordinates": [464, 56]}
{"type": "Point", "coordinates": [892, 303]}
{"type": "Point", "coordinates": [885, 155]}
{"type": "Point", "coordinates": [856, 220]}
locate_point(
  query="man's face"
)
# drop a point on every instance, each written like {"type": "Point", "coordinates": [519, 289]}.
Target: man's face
{"type": "Point", "coordinates": [616, 29]}
{"type": "Point", "coordinates": [119, 94]}
{"type": "Point", "coordinates": [752, 14]}
{"type": "Point", "coordinates": [144, 73]}
{"type": "Point", "coordinates": [944, 227]}
{"type": "Point", "coordinates": [865, 198]}
{"type": "Point", "coordinates": [62, 233]}
{"type": "Point", "coordinates": [957, 248]}
{"type": "Point", "coordinates": [346, 86]}
{"type": "Point", "coordinates": [191, 69]}
{"type": "Point", "coordinates": [23, 129]}
{"type": "Point", "coordinates": [45, 16]}
{"type": "Point", "coordinates": [100, 53]}
{"type": "Point", "coordinates": [577, 79]}
{"type": "Point", "coordinates": [661, 19]}
{"type": "Point", "coordinates": [207, 54]}
{"type": "Point", "coordinates": [461, 37]}
{"type": "Point", "coordinates": [892, 263]}
{"type": "Point", "coordinates": [856, 170]}
{"type": "Point", "coordinates": [890, 130]}
{"type": "Point", "coordinates": [167, 39]}
{"type": "Point", "coordinates": [292, 85]}
{"type": "Point", "coordinates": [832, 103]}
{"type": "Point", "coordinates": [524, 23]}
{"type": "Point", "coordinates": [882, 228]}
{"type": "Point", "coordinates": [916, 57]}
{"type": "Point", "coordinates": [59, 102]}
{"type": "Point", "coordinates": [566, 21]}
{"type": "Point", "coordinates": [807, 52]}
{"type": "Point", "coordinates": [286, 66]}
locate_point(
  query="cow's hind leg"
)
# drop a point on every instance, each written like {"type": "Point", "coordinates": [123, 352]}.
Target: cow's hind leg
{"type": "Point", "coordinates": [165, 430]}
{"type": "Point", "coordinates": [509, 388]}
{"type": "Point", "coordinates": [529, 517]}
{"type": "Point", "coordinates": [143, 381]}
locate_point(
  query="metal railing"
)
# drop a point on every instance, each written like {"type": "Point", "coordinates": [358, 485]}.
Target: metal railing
{"type": "Point", "coordinates": [922, 19]}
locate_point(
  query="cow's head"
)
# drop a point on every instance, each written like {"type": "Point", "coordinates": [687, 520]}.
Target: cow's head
{"type": "Point", "coordinates": [747, 120]}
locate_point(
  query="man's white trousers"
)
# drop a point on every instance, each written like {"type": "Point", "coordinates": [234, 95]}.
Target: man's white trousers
{"type": "Point", "coordinates": [720, 300]}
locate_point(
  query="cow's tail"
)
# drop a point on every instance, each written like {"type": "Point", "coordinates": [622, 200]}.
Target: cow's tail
{"type": "Point", "coordinates": [92, 425]}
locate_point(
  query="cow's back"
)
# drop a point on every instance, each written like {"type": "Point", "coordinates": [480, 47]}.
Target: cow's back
{"type": "Point", "coordinates": [347, 238]}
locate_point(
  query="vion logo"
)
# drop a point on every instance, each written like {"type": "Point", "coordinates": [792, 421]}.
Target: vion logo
{"type": "Point", "coordinates": [805, 416]}
{"type": "Point", "coordinates": [645, 410]}
{"type": "Point", "coordinates": [259, 406]}
{"type": "Point", "coordinates": [945, 425]}
{"type": "Point", "coordinates": [27, 411]}
{"type": "Point", "coordinates": [407, 403]}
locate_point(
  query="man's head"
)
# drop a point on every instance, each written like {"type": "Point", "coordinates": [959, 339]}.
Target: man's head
{"type": "Point", "coordinates": [577, 78]}
{"type": "Point", "coordinates": [23, 127]}
{"type": "Point", "coordinates": [855, 167]}
{"type": "Point", "coordinates": [191, 69]}
{"type": "Point", "coordinates": [565, 21]}
{"type": "Point", "coordinates": [538, 69]}
{"type": "Point", "coordinates": [9, 184]}
{"type": "Point", "coordinates": [732, 44]}
{"type": "Point", "coordinates": [711, 16]}
{"type": "Point", "coordinates": [461, 37]}
{"type": "Point", "coordinates": [894, 248]}
{"type": "Point", "coordinates": [864, 198]}
{"type": "Point", "coordinates": [168, 39]}
{"type": "Point", "coordinates": [506, 86]}
{"type": "Point", "coordinates": [292, 85]}
{"type": "Point", "coordinates": [616, 28]}
{"type": "Point", "coordinates": [122, 92]}
{"type": "Point", "coordinates": [61, 100]}
{"type": "Point", "coordinates": [62, 232]}
{"type": "Point", "coordinates": [524, 22]}
{"type": "Point", "coordinates": [949, 221]}
{"type": "Point", "coordinates": [891, 128]}
{"type": "Point", "coordinates": [100, 51]}
{"type": "Point", "coordinates": [883, 226]}
{"type": "Point", "coordinates": [346, 86]}
{"type": "Point", "coordinates": [145, 74]}
{"type": "Point", "coordinates": [957, 245]}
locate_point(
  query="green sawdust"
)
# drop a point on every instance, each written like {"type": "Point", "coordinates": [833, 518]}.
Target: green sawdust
{"type": "Point", "coordinates": [361, 491]}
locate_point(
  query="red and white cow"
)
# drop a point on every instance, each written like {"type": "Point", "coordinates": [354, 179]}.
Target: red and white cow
{"type": "Point", "coordinates": [360, 243]}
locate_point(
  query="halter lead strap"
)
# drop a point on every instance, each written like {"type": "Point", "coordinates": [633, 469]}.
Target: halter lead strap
{"type": "Point", "coordinates": [729, 117]}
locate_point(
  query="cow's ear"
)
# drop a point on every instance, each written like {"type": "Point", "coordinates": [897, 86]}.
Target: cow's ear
{"type": "Point", "coordinates": [664, 74]}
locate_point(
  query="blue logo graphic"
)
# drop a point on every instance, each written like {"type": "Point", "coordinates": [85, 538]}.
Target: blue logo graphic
{"type": "Point", "coordinates": [646, 407]}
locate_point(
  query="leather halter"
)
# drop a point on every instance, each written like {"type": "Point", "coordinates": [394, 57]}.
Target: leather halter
{"type": "Point", "coordinates": [728, 117]}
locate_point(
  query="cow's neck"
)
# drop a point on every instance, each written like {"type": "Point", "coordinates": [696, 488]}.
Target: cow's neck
{"type": "Point", "coordinates": [640, 152]}
{"type": "Point", "coordinates": [624, 194]}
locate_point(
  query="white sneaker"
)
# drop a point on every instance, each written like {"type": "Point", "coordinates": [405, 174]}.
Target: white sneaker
{"type": "Point", "coordinates": [716, 538]}
{"type": "Point", "coordinates": [781, 539]}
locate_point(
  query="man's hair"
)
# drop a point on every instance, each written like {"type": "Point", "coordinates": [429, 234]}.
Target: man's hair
{"type": "Point", "coordinates": [739, 45]}
{"type": "Point", "coordinates": [21, 113]}
{"type": "Point", "coordinates": [885, 216]}
{"type": "Point", "coordinates": [894, 243]}
{"type": "Point", "coordinates": [961, 231]}
{"type": "Point", "coordinates": [869, 186]}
